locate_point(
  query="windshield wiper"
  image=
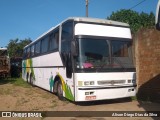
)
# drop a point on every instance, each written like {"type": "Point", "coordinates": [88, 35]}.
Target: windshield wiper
{"type": "Point", "coordinates": [119, 62]}
{"type": "Point", "coordinates": [102, 66]}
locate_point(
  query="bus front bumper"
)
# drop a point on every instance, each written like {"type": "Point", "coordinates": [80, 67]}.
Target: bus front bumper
{"type": "Point", "coordinates": [104, 93]}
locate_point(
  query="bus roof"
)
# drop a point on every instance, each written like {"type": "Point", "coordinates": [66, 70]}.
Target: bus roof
{"type": "Point", "coordinates": [97, 20]}
{"type": "Point", "coordinates": [83, 19]}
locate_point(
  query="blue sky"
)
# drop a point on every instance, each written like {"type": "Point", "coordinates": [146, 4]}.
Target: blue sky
{"type": "Point", "coordinates": [30, 18]}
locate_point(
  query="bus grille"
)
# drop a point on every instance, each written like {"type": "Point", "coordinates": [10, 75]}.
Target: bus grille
{"type": "Point", "coordinates": [111, 82]}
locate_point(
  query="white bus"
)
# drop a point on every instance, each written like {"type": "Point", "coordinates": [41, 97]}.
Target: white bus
{"type": "Point", "coordinates": [83, 59]}
{"type": "Point", "coordinates": [157, 20]}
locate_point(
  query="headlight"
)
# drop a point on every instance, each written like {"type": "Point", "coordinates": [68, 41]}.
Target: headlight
{"type": "Point", "coordinates": [89, 83]}
{"type": "Point", "coordinates": [86, 83]}
{"type": "Point", "coordinates": [129, 81]}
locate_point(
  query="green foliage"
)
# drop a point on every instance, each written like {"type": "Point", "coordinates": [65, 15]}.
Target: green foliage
{"type": "Point", "coordinates": [134, 19]}
{"type": "Point", "coordinates": [15, 47]}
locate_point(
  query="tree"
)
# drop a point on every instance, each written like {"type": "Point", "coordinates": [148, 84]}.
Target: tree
{"type": "Point", "coordinates": [15, 47]}
{"type": "Point", "coordinates": [134, 19]}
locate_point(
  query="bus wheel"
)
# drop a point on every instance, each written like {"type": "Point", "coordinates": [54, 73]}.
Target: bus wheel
{"type": "Point", "coordinates": [32, 80]}
{"type": "Point", "coordinates": [60, 91]}
{"type": "Point", "coordinates": [27, 77]}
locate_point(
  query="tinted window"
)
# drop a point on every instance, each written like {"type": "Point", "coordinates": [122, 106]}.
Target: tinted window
{"type": "Point", "coordinates": [37, 48]}
{"type": "Point", "coordinates": [67, 31]}
{"type": "Point", "coordinates": [120, 49]}
{"type": "Point", "coordinates": [32, 50]}
{"type": "Point", "coordinates": [28, 52]}
{"type": "Point", "coordinates": [67, 36]}
{"type": "Point", "coordinates": [54, 40]}
{"type": "Point", "coordinates": [44, 45]}
{"type": "Point", "coordinates": [24, 53]}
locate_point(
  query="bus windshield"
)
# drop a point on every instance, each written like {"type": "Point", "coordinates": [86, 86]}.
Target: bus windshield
{"type": "Point", "coordinates": [103, 54]}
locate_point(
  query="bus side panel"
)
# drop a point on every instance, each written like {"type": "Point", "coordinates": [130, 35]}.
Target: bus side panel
{"type": "Point", "coordinates": [67, 83]}
{"type": "Point", "coordinates": [44, 69]}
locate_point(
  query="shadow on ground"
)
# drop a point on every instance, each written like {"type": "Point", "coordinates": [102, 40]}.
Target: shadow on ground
{"type": "Point", "coordinates": [101, 102]}
{"type": "Point", "coordinates": [7, 80]}
{"type": "Point", "coordinates": [149, 95]}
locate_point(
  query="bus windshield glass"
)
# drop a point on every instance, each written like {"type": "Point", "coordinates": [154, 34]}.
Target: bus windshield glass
{"type": "Point", "coordinates": [101, 54]}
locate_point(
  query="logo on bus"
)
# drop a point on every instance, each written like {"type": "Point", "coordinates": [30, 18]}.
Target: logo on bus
{"type": "Point", "coordinates": [112, 82]}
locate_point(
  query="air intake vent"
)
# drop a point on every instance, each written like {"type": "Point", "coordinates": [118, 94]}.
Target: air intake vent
{"type": "Point", "coordinates": [111, 82]}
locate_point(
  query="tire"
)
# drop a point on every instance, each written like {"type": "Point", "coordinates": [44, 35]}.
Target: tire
{"type": "Point", "coordinates": [27, 77]}
{"type": "Point", "coordinates": [32, 81]}
{"type": "Point", "coordinates": [55, 87]}
{"type": "Point", "coordinates": [60, 91]}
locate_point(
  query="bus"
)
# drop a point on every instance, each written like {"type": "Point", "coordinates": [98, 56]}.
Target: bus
{"type": "Point", "coordinates": [157, 18]}
{"type": "Point", "coordinates": [4, 63]}
{"type": "Point", "coordinates": [82, 59]}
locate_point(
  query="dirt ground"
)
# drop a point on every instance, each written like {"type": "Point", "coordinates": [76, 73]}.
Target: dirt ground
{"type": "Point", "coordinates": [19, 98]}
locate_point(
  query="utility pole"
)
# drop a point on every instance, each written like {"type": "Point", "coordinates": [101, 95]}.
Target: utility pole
{"type": "Point", "coordinates": [87, 8]}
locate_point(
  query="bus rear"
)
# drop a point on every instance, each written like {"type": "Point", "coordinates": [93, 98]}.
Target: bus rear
{"type": "Point", "coordinates": [103, 61]}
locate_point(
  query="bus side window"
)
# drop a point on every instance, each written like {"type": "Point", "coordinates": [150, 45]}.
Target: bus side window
{"type": "Point", "coordinates": [24, 53]}
{"type": "Point", "coordinates": [32, 50]}
{"type": "Point", "coordinates": [44, 45]}
{"type": "Point", "coordinates": [67, 36]}
{"type": "Point", "coordinates": [54, 40]}
{"type": "Point", "coordinates": [37, 48]}
{"type": "Point", "coordinates": [28, 52]}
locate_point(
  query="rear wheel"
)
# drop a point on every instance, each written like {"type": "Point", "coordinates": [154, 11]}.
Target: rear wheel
{"type": "Point", "coordinates": [32, 80]}
{"type": "Point", "coordinates": [27, 77]}
{"type": "Point", "coordinates": [60, 91]}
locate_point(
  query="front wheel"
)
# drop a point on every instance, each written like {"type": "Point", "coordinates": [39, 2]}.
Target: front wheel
{"type": "Point", "coordinates": [60, 91]}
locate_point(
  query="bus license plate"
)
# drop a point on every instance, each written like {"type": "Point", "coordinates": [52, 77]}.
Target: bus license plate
{"type": "Point", "coordinates": [90, 97]}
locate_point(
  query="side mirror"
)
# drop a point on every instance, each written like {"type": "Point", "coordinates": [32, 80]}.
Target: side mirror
{"type": "Point", "coordinates": [74, 48]}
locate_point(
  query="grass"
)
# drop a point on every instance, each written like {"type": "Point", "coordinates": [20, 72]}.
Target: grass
{"type": "Point", "coordinates": [15, 81]}
{"type": "Point", "coordinates": [20, 82]}
{"type": "Point", "coordinates": [134, 98]}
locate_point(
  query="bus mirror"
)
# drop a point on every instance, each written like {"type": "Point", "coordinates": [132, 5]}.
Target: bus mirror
{"type": "Point", "coordinates": [74, 48]}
